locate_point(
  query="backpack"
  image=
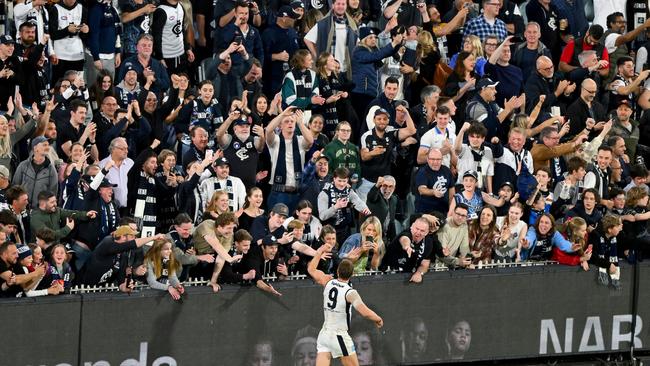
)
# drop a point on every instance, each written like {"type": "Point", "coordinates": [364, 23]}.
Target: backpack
{"type": "Point", "coordinates": [526, 183]}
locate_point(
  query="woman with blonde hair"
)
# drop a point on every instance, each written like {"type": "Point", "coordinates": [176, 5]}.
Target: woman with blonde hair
{"type": "Point", "coordinates": [365, 248]}
{"type": "Point", "coordinates": [426, 60]}
{"type": "Point", "coordinates": [162, 269]}
{"type": "Point", "coordinates": [473, 45]}
{"type": "Point", "coordinates": [217, 205]}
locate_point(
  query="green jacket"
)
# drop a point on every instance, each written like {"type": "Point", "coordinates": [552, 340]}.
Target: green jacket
{"type": "Point", "coordinates": [343, 155]}
{"type": "Point", "coordinates": [53, 220]}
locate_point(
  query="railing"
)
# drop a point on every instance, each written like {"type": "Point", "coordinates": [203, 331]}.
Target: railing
{"type": "Point", "coordinates": [199, 282]}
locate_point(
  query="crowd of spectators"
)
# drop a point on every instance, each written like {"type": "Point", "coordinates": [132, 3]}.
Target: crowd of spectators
{"type": "Point", "coordinates": [153, 141]}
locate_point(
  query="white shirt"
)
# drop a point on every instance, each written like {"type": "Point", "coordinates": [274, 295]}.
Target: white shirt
{"type": "Point", "coordinates": [119, 175]}
{"type": "Point", "coordinates": [274, 150]}
{"type": "Point", "coordinates": [466, 162]}
{"type": "Point", "coordinates": [435, 138]}
{"type": "Point", "coordinates": [341, 42]}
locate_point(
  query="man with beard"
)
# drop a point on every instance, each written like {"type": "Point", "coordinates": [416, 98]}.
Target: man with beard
{"type": "Point", "coordinates": [47, 214]}
{"type": "Point", "coordinates": [10, 283]}
{"type": "Point", "coordinates": [142, 195]}
{"type": "Point", "coordinates": [599, 175]}
{"type": "Point", "coordinates": [616, 41]}
{"type": "Point", "coordinates": [243, 33]}
{"type": "Point", "coordinates": [38, 173]}
{"type": "Point", "coordinates": [627, 130]}
{"type": "Point", "coordinates": [242, 148]}
{"type": "Point", "coordinates": [129, 88]}
{"type": "Point", "coordinates": [377, 146]}
{"type": "Point", "coordinates": [320, 37]}
{"type": "Point", "coordinates": [585, 109]}
{"type": "Point", "coordinates": [18, 201]}
{"type": "Point", "coordinates": [34, 84]}
{"type": "Point", "coordinates": [625, 86]}
{"type": "Point", "coordinates": [35, 14]}
{"type": "Point", "coordinates": [223, 181]}
{"type": "Point", "coordinates": [484, 108]}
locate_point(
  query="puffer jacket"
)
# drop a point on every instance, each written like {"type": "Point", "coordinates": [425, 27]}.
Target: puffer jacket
{"type": "Point", "coordinates": [34, 183]}
{"type": "Point", "coordinates": [365, 66]}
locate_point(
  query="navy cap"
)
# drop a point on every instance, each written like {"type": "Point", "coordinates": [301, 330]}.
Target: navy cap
{"type": "Point", "coordinates": [269, 240]}
{"type": "Point", "coordinates": [379, 111]}
{"type": "Point", "coordinates": [222, 162]}
{"type": "Point", "coordinates": [6, 39]}
{"type": "Point", "coordinates": [287, 11]}
{"type": "Point", "coordinates": [471, 173]}
{"type": "Point", "coordinates": [486, 83]}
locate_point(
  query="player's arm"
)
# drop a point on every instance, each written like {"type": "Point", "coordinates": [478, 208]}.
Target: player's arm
{"type": "Point", "coordinates": [319, 276]}
{"type": "Point", "coordinates": [354, 298]}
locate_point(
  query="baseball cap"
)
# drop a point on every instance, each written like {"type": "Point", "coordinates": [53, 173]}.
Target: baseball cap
{"type": "Point", "coordinates": [37, 140]}
{"type": "Point", "coordinates": [486, 83]}
{"type": "Point", "coordinates": [281, 209]}
{"type": "Point", "coordinates": [6, 39]}
{"type": "Point", "coordinates": [323, 156]}
{"type": "Point", "coordinates": [24, 252]}
{"type": "Point", "coordinates": [241, 121]}
{"type": "Point", "coordinates": [287, 11]}
{"type": "Point", "coordinates": [4, 172]}
{"type": "Point", "coordinates": [379, 111]}
{"type": "Point", "coordinates": [512, 186]}
{"type": "Point", "coordinates": [105, 184]}
{"type": "Point", "coordinates": [269, 240]}
{"type": "Point", "coordinates": [124, 230]}
{"type": "Point", "coordinates": [625, 102]}
{"type": "Point", "coordinates": [471, 173]}
{"type": "Point", "coordinates": [296, 4]}
{"type": "Point", "coordinates": [222, 162]}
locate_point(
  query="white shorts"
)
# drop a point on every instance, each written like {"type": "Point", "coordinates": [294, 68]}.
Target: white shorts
{"type": "Point", "coordinates": [338, 344]}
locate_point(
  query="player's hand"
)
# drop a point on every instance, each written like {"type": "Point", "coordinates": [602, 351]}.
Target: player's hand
{"type": "Point", "coordinates": [379, 323]}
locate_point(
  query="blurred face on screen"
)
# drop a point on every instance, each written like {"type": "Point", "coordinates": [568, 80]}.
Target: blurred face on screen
{"type": "Point", "coordinates": [416, 340]}
{"type": "Point", "coordinates": [262, 355]}
{"type": "Point", "coordinates": [363, 346]}
{"type": "Point", "coordinates": [460, 337]}
{"type": "Point", "coordinates": [305, 353]}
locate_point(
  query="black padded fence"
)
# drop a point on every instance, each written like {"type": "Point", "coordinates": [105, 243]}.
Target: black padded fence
{"type": "Point", "coordinates": [509, 313]}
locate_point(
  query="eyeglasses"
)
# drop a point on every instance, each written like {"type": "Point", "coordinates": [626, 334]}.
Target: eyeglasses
{"type": "Point", "coordinates": [589, 91]}
{"type": "Point", "coordinates": [546, 68]}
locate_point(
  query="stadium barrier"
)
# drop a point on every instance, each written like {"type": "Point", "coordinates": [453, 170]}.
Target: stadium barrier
{"type": "Point", "coordinates": [513, 313]}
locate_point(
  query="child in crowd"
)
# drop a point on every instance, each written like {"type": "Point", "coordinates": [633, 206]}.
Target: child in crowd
{"type": "Point", "coordinates": [604, 241]}
{"type": "Point", "coordinates": [162, 269]}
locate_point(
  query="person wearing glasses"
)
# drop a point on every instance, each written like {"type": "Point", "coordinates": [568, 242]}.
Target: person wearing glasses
{"type": "Point", "coordinates": [488, 24]}
{"type": "Point", "coordinates": [591, 41]}
{"type": "Point", "coordinates": [586, 109]}
{"type": "Point", "coordinates": [543, 82]}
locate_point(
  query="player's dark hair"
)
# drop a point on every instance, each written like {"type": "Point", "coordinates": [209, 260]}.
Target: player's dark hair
{"type": "Point", "coordinates": [345, 270]}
